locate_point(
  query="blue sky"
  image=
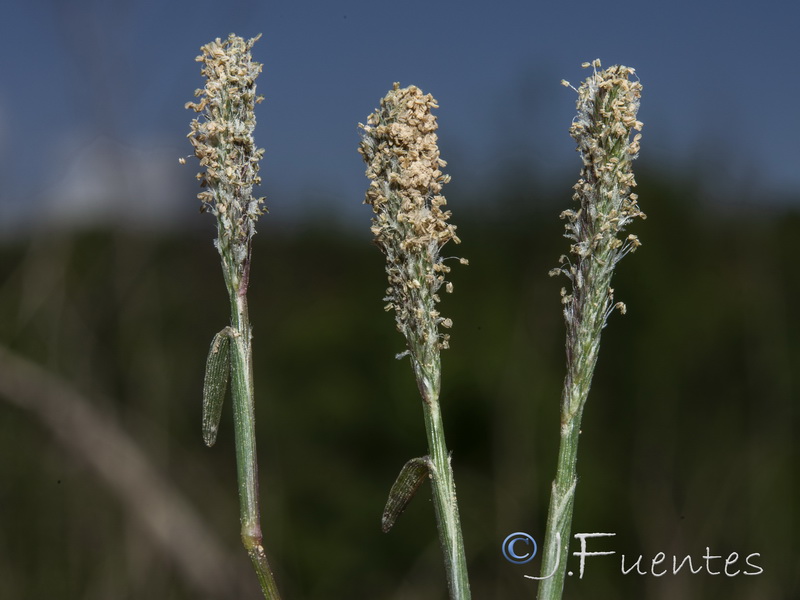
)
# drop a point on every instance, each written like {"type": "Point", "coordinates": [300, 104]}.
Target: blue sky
{"type": "Point", "coordinates": [92, 118]}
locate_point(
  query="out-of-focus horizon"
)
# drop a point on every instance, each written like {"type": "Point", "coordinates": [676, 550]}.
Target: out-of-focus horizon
{"type": "Point", "coordinates": [92, 120]}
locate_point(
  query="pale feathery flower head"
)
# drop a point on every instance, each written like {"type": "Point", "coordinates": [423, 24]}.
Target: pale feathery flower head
{"type": "Point", "coordinates": [399, 145]}
{"type": "Point", "coordinates": [607, 104]}
{"type": "Point", "coordinates": [223, 142]}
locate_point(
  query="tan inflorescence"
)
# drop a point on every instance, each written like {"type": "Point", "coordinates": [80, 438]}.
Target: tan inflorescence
{"type": "Point", "coordinates": [607, 104]}
{"type": "Point", "coordinates": [223, 141]}
{"type": "Point", "coordinates": [410, 224]}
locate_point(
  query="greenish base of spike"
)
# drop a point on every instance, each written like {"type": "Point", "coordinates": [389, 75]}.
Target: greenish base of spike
{"type": "Point", "coordinates": [555, 551]}
{"type": "Point", "coordinates": [244, 422]}
{"type": "Point", "coordinates": [445, 504]}
{"type": "Point", "coordinates": [230, 359]}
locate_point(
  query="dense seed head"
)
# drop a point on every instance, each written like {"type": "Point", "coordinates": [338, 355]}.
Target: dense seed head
{"type": "Point", "coordinates": [399, 145]}
{"type": "Point", "coordinates": [223, 142]}
{"type": "Point", "coordinates": [607, 105]}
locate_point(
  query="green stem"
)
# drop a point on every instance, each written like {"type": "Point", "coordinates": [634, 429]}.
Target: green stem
{"type": "Point", "coordinates": [559, 516]}
{"type": "Point", "coordinates": [245, 430]}
{"type": "Point", "coordinates": [607, 106]}
{"type": "Point", "coordinates": [444, 495]}
{"type": "Point", "coordinates": [586, 317]}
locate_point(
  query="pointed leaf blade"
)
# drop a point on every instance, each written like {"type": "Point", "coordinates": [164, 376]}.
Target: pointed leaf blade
{"type": "Point", "coordinates": [408, 482]}
{"type": "Point", "coordinates": [215, 385]}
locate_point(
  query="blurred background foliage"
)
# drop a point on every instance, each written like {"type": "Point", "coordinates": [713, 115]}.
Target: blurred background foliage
{"type": "Point", "coordinates": [688, 441]}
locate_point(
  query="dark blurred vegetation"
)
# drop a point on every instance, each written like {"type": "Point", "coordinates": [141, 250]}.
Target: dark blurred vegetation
{"type": "Point", "coordinates": [688, 438]}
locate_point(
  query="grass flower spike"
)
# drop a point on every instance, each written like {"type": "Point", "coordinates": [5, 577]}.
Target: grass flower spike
{"type": "Point", "coordinates": [607, 105]}
{"type": "Point", "coordinates": [223, 142]}
{"type": "Point", "coordinates": [411, 227]}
